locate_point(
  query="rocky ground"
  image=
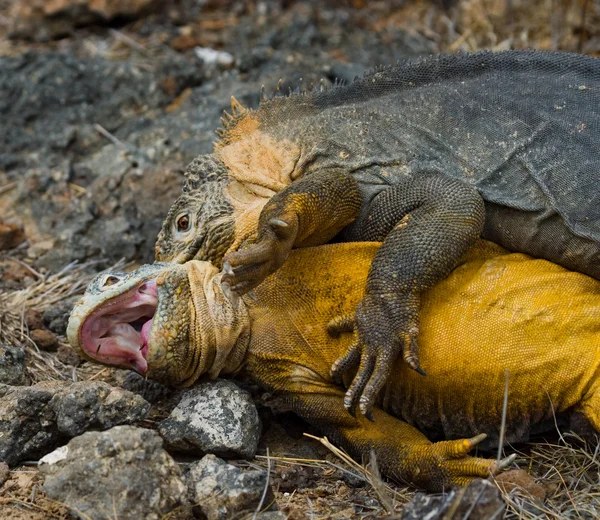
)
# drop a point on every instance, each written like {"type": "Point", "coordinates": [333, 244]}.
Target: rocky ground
{"type": "Point", "coordinates": [102, 105]}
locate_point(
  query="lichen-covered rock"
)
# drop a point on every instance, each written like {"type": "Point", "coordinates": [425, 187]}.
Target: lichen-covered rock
{"type": "Point", "coordinates": [12, 366]}
{"type": "Point", "coordinates": [121, 473]}
{"type": "Point", "coordinates": [35, 419]}
{"type": "Point", "coordinates": [221, 491]}
{"type": "Point", "coordinates": [480, 500]}
{"type": "Point", "coordinates": [213, 417]}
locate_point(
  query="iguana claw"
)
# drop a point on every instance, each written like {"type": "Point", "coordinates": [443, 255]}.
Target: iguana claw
{"type": "Point", "coordinates": [246, 268]}
{"type": "Point", "coordinates": [385, 326]}
{"type": "Point", "coordinates": [505, 462]}
{"type": "Point", "coordinates": [227, 268]}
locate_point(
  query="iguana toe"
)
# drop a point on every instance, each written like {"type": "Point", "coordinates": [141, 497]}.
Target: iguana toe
{"type": "Point", "coordinates": [248, 267]}
{"type": "Point", "coordinates": [344, 363]}
{"type": "Point", "coordinates": [360, 382]}
{"type": "Point", "coordinates": [340, 325]}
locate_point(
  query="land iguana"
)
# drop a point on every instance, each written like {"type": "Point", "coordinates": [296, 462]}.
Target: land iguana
{"type": "Point", "coordinates": [495, 313]}
{"type": "Point", "coordinates": [425, 156]}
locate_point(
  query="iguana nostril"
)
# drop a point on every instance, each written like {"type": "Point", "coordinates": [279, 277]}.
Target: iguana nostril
{"type": "Point", "coordinates": [148, 288]}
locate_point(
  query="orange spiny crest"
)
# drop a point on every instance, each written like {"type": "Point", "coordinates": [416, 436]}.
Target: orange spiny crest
{"type": "Point", "coordinates": [230, 120]}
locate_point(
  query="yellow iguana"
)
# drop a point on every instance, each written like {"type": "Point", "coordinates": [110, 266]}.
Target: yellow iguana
{"type": "Point", "coordinates": [495, 312]}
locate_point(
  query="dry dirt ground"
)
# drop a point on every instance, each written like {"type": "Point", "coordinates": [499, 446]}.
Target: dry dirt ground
{"type": "Point", "coordinates": [97, 124]}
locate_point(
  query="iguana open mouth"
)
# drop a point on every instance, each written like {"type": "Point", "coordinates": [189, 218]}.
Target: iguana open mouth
{"type": "Point", "coordinates": [118, 332]}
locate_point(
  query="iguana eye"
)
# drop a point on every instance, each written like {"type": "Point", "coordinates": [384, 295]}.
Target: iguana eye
{"type": "Point", "coordinates": [110, 280]}
{"type": "Point", "coordinates": [183, 223]}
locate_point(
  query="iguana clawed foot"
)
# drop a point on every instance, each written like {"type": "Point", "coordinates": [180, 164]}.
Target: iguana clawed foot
{"type": "Point", "coordinates": [385, 325]}
{"type": "Point", "coordinates": [246, 268]}
{"type": "Point", "coordinates": [444, 464]}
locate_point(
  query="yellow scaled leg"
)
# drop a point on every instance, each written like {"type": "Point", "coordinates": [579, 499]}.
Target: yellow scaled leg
{"type": "Point", "coordinates": [402, 451]}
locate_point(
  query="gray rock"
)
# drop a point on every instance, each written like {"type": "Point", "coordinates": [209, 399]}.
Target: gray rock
{"type": "Point", "coordinates": [49, 102]}
{"type": "Point", "coordinates": [36, 419]}
{"type": "Point", "coordinates": [221, 491]}
{"type": "Point", "coordinates": [480, 500]}
{"type": "Point", "coordinates": [121, 473]}
{"type": "Point", "coordinates": [12, 366]}
{"type": "Point", "coordinates": [213, 417]}
{"type": "Point", "coordinates": [151, 391]}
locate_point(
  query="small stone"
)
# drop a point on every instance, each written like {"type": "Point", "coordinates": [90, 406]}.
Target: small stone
{"type": "Point", "coordinates": [33, 319]}
{"type": "Point", "coordinates": [223, 491]}
{"type": "Point", "coordinates": [68, 356]}
{"type": "Point", "coordinates": [183, 42]}
{"type": "Point", "coordinates": [44, 339]}
{"type": "Point", "coordinates": [11, 235]}
{"type": "Point", "coordinates": [213, 57]}
{"type": "Point", "coordinates": [35, 419]}
{"type": "Point", "coordinates": [56, 318]}
{"type": "Point", "coordinates": [213, 417]}
{"type": "Point", "coordinates": [124, 470]}
{"type": "Point", "coordinates": [4, 472]}
{"type": "Point", "coordinates": [479, 500]}
{"type": "Point", "coordinates": [522, 481]}
{"type": "Point", "coordinates": [55, 456]}
{"type": "Point", "coordinates": [13, 370]}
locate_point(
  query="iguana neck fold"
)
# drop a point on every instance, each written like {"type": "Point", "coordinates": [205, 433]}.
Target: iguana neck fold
{"type": "Point", "coordinates": [219, 326]}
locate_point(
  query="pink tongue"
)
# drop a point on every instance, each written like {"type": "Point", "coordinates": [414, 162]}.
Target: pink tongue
{"type": "Point", "coordinates": [146, 332]}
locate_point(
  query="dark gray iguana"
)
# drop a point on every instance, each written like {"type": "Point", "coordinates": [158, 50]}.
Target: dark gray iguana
{"type": "Point", "coordinates": [414, 156]}
{"type": "Point", "coordinates": [496, 312]}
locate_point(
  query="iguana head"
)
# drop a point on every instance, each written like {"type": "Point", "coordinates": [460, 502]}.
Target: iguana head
{"type": "Point", "coordinates": [224, 194]}
{"type": "Point", "coordinates": [200, 223]}
{"type": "Point", "coordinates": [170, 322]}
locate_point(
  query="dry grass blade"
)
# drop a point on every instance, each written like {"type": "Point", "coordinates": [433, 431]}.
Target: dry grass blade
{"type": "Point", "coordinates": [266, 488]}
{"type": "Point", "coordinates": [503, 422]}
{"type": "Point", "coordinates": [378, 484]}
{"type": "Point", "coordinates": [571, 475]}
{"type": "Point", "coordinates": [370, 473]}
{"type": "Point", "coordinates": [472, 25]}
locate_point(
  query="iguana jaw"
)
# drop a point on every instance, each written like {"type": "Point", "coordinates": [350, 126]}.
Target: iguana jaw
{"type": "Point", "coordinates": [170, 322]}
{"type": "Point", "coordinates": [112, 323]}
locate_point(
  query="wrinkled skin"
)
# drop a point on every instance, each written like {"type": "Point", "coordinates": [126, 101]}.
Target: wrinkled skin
{"type": "Point", "coordinates": [494, 313]}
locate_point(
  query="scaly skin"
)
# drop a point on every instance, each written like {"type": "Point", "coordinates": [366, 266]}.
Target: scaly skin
{"type": "Point", "coordinates": [495, 312]}
{"type": "Point", "coordinates": [410, 156]}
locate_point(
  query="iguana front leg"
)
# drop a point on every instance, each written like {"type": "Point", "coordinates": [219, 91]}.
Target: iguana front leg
{"type": "Point", "coordinates": [309, 212]}
{"type": "Point", "coordinates": [427, 222]}
{"type": "Point", "coordinates": [402, 451]}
